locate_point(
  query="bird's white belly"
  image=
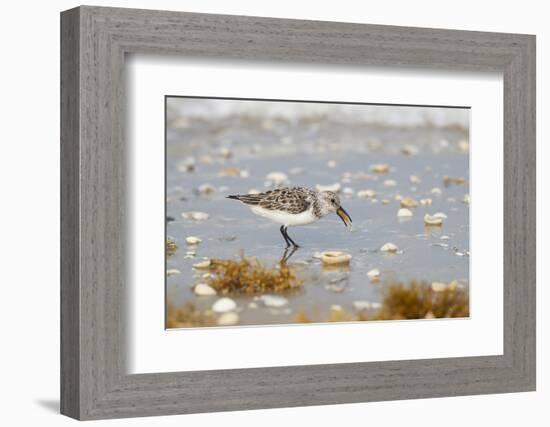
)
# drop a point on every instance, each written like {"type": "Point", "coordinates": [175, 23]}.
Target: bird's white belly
{"type": "Point", "coordinates": [286, 218]}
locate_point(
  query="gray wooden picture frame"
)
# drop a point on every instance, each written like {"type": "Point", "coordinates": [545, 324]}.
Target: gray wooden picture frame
{"type": "Point", "coordinates": [94, 41]}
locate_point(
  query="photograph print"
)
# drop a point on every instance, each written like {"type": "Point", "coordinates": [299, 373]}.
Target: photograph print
{"type": "Point", "coordinates": [294, 212]}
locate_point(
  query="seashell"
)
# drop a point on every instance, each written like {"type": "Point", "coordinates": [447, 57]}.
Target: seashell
{"type": "Point", "coordinates": [413, 179]}
{"type": "Point", "coordinates": [202, 265]}
{"type": "Point", "coordinates": [409, 150]}
{"type": "Point", "coordinates": [252, 305]}
{"type": "Point", "coordinates": [192, 240]}
{"type": "Point", "coordinates": [389, 247]}
{"type": "Point", "coordinates": [332, 187]}
{"type": "Point", "coordinates": [331, 163]}
{"type": "Point", "coordinates": [186, 165]}
{"type": "Point", "coordinates": [365, 305]}
{"type": "Point", "coordinates": [408, 202]}
{"type": "Point", "coordinates": [457, 180]}
{"type": "Point", "coordinates": [228, 319]}
{"type": "Point", "coordinates": [440, 215]}
{"type": "Point", "coordinates": [425, 202]}
{"type": "Point", "coordinates": [438, 286]}
{"type": "Point", "coordinates": [335, 258]}
{"type": "Point", "coordinates": [297, 171]}
{"type": "Point", "coordinates": [404, 213]}
{"type": "Point", "coordinates": [197, 216]}
{"type": "Point", "coordinates": [385, 201]}
{"type": "Point", "coordinates": [224, 305]}
{"type": "Point", "coordinates": [348, 191]}
{"type": "Point", "coordinates": [444, 237]}
{"type": "Point", "coordinates": [204, 290]}
{"type": "Point", "coordinates": [206, 189]}
{"type": "Point", "coordinates": [172, 272]}
{"type": "Point", "coordinates": [336, 308]}
{"type": "Point", "coordinates": [277, 178]}
{"type": "Point", "coordinates": [230, 171]}
{"type": "Point", "coordinates": [366, 193]}
{"type": "Point", "coordinates": [374, 273]}
{"type": "Point", "coordinates": [380, 168]}
{"type": "Point", "coordinates": [226, 153]}
{"type": "Point", "coordinates": [432, 220]}
{"type": "Point", "coordinates": [464, 146]}
{"type": "Point", "coordinates": [274, 301]}
{"type": "Point", "coordinates": [436, 191]}
{"type": "Point", "coordinates": [466, 199]}
{"type": "Point", "coordinates": [390, 183]}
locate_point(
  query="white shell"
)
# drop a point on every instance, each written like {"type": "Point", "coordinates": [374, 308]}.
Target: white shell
{"type": "Point", "coordinates": [436, 191]}
{"type": "Point", "coordinates": [197, 216]}
{"type": "Point", "coordinates": [277, 178]}
{"type": "Point", "coordinates": [389, 247]}
{"type": "Point", "coordinates": [202, 264]}
{"type": "Point", "coordinates": [366, 193]}
{"type": "Point", "coordinates": [390, 183]}
{"type": "Point", "coordinates": [331, 187]}
{"type": "Point", "coordinates": [380, 168]}
{"type": "Point", "coordinates": [432, 220]}
{"type": "Point", "coordinates": [335, 257]}
{"type": "Point", "coordinates": [365, 305]}
{"type": "Point", "coordinates": [204, 290]}
{"type": "Point", "coordinates": [440, 215]}
{"type": "Point", "coordinates": [273, 301]}
{"type": "Point", "coordinates": [438, 286]}
{"type": "Point", "coordinates": [224, 305]}
{"type": "Point", "coordinates": [172, 272]}
{"type": "Point", "coordinates": [404, 213]}
{"type": "Point", "coordinates": [464, 146]}
{"type": "Point", "coordinates": [228, 319]}
{"type": "Point", "coordinates": [374, 273]}
{"type": "Point", "coordinates": [408, 202]}
{"type": "Point", "coordinates": [425, 202]}
{"type": "Point", "coordinates": [206, 189]}
{"type": "Point", "coordinates": [409, 150]}
{"type": "Point", "coordinates": [192, 240]}
{"type": "Point", "coordinates": [414, 179]}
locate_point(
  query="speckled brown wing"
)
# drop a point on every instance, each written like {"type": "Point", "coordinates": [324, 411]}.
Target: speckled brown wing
{"type": "Point", "coordinates": [291, 200]}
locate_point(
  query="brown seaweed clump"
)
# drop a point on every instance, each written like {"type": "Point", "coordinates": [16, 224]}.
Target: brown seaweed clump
{"type": "Point", "coordinates": [418, 301]}
{"type": "Point", "coordinates": [171, 247]}
{"type": "Point", "coordinates": [187, 316]}
{"type": "Point", "coordinates": [248, 276]}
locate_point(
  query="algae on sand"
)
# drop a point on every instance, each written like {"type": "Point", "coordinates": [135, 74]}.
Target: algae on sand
{"type": "Point", "coordinates": [248, 276]}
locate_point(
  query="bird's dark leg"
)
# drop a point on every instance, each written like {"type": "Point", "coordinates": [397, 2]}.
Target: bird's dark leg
{"type": "Point", "coordinates": [289, 238]}
{"type": "Point", "coordinates": [282, 229]}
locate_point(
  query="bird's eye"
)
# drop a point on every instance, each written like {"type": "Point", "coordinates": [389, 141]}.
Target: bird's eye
{"type": "Point", "coordinates": [333, 201]}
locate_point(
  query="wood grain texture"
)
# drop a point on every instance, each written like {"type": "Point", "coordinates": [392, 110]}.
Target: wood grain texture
{"type": "Point", "coordinates": [94, 231]}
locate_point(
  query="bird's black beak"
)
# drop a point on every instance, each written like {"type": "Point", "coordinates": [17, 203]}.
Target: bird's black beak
{"type": "Point", "coordinates": [343, 216]}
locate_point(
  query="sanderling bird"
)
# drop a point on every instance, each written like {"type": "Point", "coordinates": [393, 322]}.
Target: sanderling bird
{"type": "Point", "coordinates": [294, 206]}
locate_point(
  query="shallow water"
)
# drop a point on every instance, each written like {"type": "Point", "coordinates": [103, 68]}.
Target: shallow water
{"type": "Point", "coordinates": [302, 149]}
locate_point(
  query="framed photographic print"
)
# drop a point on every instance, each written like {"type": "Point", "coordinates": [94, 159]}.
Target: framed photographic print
{"type": "Point", "coordinates": [281, 213]}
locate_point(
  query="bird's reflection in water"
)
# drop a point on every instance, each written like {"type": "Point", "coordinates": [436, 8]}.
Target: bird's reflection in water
{"type": "Point", "coordinates": [289, 251]}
